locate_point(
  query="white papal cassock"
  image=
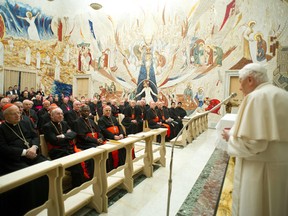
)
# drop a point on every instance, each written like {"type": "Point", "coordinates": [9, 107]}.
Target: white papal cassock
{"type": "Point", "coordinates": [259, 142]}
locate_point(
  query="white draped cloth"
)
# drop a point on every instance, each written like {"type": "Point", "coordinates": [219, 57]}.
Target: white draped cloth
{"type": "Point", "coordinates": [226, 122]}
{"type": "Point", "coordinates": [259, 141]}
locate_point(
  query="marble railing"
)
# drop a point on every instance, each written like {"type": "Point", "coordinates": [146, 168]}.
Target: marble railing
{"type": "Point", "coordinates": [95, 191]}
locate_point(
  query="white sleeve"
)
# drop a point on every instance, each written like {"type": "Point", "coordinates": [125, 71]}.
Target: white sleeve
{"type": "Point", "coordinates": [241, 147]}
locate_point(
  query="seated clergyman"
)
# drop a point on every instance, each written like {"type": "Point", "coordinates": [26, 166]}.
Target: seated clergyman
{"type": "Point", "coordinates": [19, 144]}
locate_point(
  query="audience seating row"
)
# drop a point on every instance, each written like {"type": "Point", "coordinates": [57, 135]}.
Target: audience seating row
{"type": "Point", "coordinates": [94, 192]}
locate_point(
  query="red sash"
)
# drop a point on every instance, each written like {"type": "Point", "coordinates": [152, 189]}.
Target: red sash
{"type": "Point", "coordinates": [114, 130]}
{"type": "Point", "coordinates": [93, 135]}
{"type": "Point", "coordinates": [50, 147]}
{"type": "Point", "coordinates": [83, 164]}
{"type": "Point", "coordinates": [71, 142]}
{"type": "Point", "coordinates": [167, 126]}
{"type": "Point", "coordinates": [169, 130]}
{"type": "Point", "coordinates": [115, 153]}
{"type": "Point", "coordinates": [156, 119]}
{"type": "Point", "coordinates": [133, 116]}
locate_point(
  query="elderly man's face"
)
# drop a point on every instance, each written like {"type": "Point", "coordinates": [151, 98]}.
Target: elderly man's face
{"type": "Point", "coordinates": [46, 104]}
{"type": "Point", "coordinates": [132, 103]}
{"type": "Point", "coordinates": [247, 85]}
{"type": "Point", "coordinates": [12, 115]}
{"type": "Point", "coordinates": [20, 106]}
{"type": "Point", "coordinates": [57, 115]}
{"type": "Point", "coordinates": [4, 101]}
{"type": "Point", "coordinates": [76, 105]}
{"type": "Point", "coordinates": [27, 105]}
{"type": "Point", "coordinates": [107, 111]}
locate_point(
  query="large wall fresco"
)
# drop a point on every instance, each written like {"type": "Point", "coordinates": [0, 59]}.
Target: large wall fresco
{"type": "Point", "coordinates": [166, 50]}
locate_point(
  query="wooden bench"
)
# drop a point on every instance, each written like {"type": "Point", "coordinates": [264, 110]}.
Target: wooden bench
{"type": "Point", "coordinates": [149, 157]}
{"type": "Point", "coordinates": [89, 193]}
{"type": "Point", "coordinates": [20, 177]}
{"type": "Point", "coordinates": [120, 118]}
{"type": "Point", "coordinates": [67, 181]}
{"type": "Point", "coordinates": [94, 192]}
{"type": "Point", "coordinates": [122, 175]}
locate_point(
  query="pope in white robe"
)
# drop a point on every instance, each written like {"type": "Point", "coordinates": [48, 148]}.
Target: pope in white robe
{"type": "Point", "coordinates": [259, 141]}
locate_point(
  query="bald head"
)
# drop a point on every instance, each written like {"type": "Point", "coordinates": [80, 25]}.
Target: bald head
{"type": "Point", "coordinates": [57, 115]}
{"type": "Point", "coordinates": [107, 110]}
{"type": "Point", "coordinates": [76, 105]}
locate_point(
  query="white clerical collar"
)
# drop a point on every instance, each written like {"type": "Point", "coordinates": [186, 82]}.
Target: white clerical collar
{"type": "Point", "coordinates": [11, 123]}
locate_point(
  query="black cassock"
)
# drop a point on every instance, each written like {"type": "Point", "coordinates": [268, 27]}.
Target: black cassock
{"type": "Point", "coordinates": [132, 114]}
{"type": "Point", "coordinates": [164, 115]}
{"type": "Point", "coordinates": [181, 112]}
{"type": "Point", "coordinates": [88, 133]}
{"type": "Point", "coordinates": [105, 123]}
{"type": "Point", "coordinates": [70, 117]}
{"type": "Point", "coordinates": [29, 195]}
{"type": "Point", "coordinates": [60, 147]}
{"type": "Point", "coordinates": [151, 117]}
{"type": "Point", "coordinates": [173, 114]}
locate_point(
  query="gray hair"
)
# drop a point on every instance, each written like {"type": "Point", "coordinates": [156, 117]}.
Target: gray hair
{"type": "Point", "coordinates": [256, 70]}
{"type": "Point", "coordinates": [55, 110]}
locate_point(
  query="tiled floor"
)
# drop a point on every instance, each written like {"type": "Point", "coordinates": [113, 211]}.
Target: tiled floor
{"type": "Point", "coordinates": [149, 198]}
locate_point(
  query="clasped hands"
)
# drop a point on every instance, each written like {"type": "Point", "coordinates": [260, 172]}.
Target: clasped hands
{"type": "Point", "coordinates": [62, 135]}
{"type": "Point", "coordinates": [31, 152]}
{"type": "Point", "coordinates": [118, 137]}
{"type": "Point", "coordinates": [100, 141]}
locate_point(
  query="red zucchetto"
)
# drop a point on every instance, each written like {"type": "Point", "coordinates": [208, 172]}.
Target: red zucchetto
{"type": "Point", "coordinates": [6, 106]}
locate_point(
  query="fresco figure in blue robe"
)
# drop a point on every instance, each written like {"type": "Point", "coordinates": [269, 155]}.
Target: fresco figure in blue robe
{"type": "Point", "coordinates": [200, 97]}
{"type": "Point", "coordinates": [261, 48]}
{"type": "Point", "coordinates": [147, 72]}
